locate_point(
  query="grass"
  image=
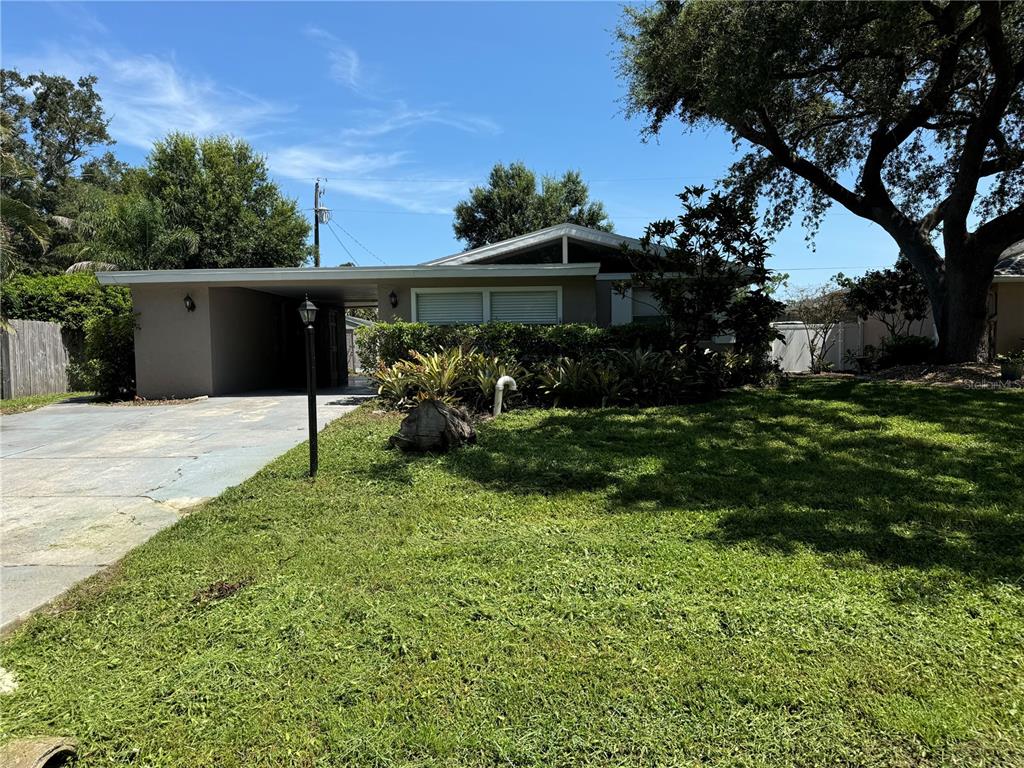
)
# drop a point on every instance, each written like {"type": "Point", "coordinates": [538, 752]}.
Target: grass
{"type": "Point", "coordinates": [830, 574]}
{"type": "Point", "coordinates": [31, 402]}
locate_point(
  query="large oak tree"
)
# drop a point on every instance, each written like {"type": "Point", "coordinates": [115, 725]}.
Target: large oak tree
{"type": "Point", "coordinates": [910, 115]}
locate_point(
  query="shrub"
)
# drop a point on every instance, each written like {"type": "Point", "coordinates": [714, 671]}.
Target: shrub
{"type": "Point", "coordinates": [1011, 365]}
{"type": "Point", "coordinates": [109, 368]}
{"type": "Point", "coordinates": [905, 350]}
{"type": "Point", "coordinates": [71, 300]}
{"type": "Point", "coordinates": [485, 372]}
{"type": "Point", "coordinates": [450, 375]}
{"type": "Point", "coordinates": [640, 377]}
{"type": "Point", "coordinates": [386, 343]}
{"type": "Point", "coordinates": [77, 301]}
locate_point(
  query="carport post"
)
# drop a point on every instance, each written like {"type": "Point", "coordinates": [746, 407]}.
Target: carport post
{"type": "Point", "coordinates": [307, 311]}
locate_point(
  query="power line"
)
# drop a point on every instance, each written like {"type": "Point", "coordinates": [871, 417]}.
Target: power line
{"type": "Point", "coordinates": [378, 258]}
{"type": "Point", "coordinates": [330, 226]}
{"type": "Point", "coordinates": [449, 213]}
{"type": "Point", "coordinates": [419, 180]}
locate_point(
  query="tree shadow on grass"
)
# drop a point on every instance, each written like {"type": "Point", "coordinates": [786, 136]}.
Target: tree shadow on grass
{"type": "Point", "coordinates": [900, 475]}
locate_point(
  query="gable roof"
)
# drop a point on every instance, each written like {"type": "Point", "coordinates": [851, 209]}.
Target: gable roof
{"type": "Point", "coordinates": [553, 234]}
{"type": "Point", "coordinates": [1011, 262]}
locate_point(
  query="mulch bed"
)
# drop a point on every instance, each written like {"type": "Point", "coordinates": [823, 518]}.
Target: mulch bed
{"type": "Point", "coordinates": [964, 375]}
{"type": "Point", "coordinates": [168, 401]}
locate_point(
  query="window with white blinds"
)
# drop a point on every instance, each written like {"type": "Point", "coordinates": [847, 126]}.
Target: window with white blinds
{"type": "Point", "coordinates": [449, 307]}
{"type": "Point", "coordinates": [511, 305]}
{"type": "Point", "coordinates": [525, 306]}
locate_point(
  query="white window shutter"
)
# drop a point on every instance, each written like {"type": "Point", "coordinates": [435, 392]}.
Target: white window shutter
{"type": "Point", "coordinates": [450, 307]}
{"type": "Point", "coordinates": [525, 306]}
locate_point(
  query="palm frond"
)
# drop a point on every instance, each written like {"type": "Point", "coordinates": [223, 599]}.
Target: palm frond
{"type": "Point", "coordinates": [90, 266]}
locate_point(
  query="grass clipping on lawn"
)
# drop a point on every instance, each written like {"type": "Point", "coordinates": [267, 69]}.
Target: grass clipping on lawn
{"type": "Point", "coordinates": [829, 574]}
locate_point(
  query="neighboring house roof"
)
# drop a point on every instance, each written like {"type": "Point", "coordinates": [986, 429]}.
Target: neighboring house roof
{"type": "Point", "coordinates": [1010, 266]}
{"type": "Point", "coordinates": [553, 234]}
{"type": "Point", "coordinates": [357, 322]}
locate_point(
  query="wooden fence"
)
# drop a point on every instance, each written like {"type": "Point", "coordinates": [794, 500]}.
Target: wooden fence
{"type": "Point", "coordinates": [33, 359]}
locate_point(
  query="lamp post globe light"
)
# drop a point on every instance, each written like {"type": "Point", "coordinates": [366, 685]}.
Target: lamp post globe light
{"type": "Point", "coordinates": [307, 312]}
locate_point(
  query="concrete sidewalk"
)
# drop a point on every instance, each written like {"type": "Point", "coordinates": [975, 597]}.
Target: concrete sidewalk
{"type": "Point", "coordinates": [81, 484]}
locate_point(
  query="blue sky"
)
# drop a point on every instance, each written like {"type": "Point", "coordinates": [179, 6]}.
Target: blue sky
{"type": "Point", "coordinates": [401, 107]}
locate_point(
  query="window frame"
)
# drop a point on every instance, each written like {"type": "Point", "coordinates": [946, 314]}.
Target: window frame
{"type": "Point", "coordinates": [485, 292]}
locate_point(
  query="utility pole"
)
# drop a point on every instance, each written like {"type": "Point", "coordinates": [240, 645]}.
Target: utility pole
{"type": "Point", "coordinates": [316, 224]}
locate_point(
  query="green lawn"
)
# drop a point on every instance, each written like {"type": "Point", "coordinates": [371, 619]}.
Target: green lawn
{"type": "Point", "coordinates": [31, 402]}
{"type": "Point", "coordinates": [832, 574]}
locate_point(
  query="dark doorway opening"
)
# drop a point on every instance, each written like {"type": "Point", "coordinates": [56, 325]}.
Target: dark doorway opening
{"type": "Point", "coordinates": [330, 345]}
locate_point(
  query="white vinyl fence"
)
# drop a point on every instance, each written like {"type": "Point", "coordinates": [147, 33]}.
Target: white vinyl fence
{"type": "Point", "coordinates": [793, 352]}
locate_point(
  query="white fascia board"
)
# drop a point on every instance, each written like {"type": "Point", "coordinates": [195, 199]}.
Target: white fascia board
{"type": "Point", "coordinates": [541, 236]}
{"type": "Point", "coordinates": [1008, 279]}
{"type": "Point", "coordinates": [301, 275]}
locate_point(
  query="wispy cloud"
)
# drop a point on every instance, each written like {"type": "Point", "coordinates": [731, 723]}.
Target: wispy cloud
{"type": "Point", "coordinates": [84, 20]}
{"type": "Point", "coordinates": [344, 64]}
{"type": "Point", "coordinates": [308, 161]}
{"type": "Point", "coordinates": [146, 96]}
{"type": "Point", "coordinates": [380, 122]}
{"type": "Point", "coordinates": [364, 175]}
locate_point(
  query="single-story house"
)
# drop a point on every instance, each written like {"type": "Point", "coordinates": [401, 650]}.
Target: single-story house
{"type": "Point", "coordinates": [1006, 302]}
{"type": "Point", "coordinates": [217, 331]}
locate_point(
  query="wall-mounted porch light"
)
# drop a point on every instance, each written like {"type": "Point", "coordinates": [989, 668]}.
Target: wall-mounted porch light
{"type": "Point", "coordinates": [189, 304]}
{"type": "Point", "coordinates": [393, 298]}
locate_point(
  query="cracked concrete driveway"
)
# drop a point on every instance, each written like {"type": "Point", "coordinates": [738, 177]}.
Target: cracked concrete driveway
{"type": "Point", "coordinates": [81, 484]}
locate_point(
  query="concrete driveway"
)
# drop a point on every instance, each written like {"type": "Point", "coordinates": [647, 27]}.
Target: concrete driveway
{"type": "Point", "coordinates": [81, 484]}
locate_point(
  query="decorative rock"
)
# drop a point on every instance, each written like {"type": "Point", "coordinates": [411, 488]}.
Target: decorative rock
{"type": "Point", "coordinates": [434, 426]}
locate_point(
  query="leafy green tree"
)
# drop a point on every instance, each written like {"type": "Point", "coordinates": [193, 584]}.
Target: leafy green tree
{"type": "Point", "coordinates": [57, 122]}
{"type": "Point", "coordinates": [511, 205]}
{"type": "Point", "coordinates": [706, 271]}
{"type": "Point", "coordinates": [895, 296]}
{"type": "Point", "coordinates": [215, 206]}
{"type": "Point", "coordinates": [910, 115]}
{"type": "Point", "coordinates": [50, 124]}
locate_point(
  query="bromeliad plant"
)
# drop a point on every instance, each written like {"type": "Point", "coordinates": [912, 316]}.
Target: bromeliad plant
{"type": "Point", "coordinates": [486, 372]}
{"type": "Point", "coordinates": [450, 375]}
{"type": "Point", "coordinates": [427, 376]}
{"type": "Point", "coordinates": [641, 377]}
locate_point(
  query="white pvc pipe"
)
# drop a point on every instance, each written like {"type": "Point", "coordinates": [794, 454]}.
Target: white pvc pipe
{"type": "Point", "coordinates": [499, 392]}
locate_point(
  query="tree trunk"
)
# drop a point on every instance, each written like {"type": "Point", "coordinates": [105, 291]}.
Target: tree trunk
{"type": "Point", "coordinates": [963, 317]}
{"type": "Point", "coordinates": [958, 287]}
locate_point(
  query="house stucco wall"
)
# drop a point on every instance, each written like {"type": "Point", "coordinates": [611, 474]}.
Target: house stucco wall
{"type": "Point", "coordinates": [173, 356]}
{"type": "Point", "coordinates": [1010, 317]}
{"type": "Point", "coordinates": [245, 340]}
{"type": "Point", "coordinates": [579, 301]}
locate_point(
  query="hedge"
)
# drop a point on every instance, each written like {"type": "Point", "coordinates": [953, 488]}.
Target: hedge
{"type": "Point", "coordinates": [386, 343]}
{"type": "Point", "coordinates": [97, 320]}
{"type": "Point", "coordinates": [71, 300]}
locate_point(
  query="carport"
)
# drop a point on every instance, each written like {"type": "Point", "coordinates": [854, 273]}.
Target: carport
{"type": "Point", "coordinates": [227, 331]}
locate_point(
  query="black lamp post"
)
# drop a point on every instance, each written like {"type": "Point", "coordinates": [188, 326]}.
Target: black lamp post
{"type": "Point", "coordinates": [307, 311]}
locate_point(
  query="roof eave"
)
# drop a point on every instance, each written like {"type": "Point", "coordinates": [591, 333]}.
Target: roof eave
{"type": "Point", "coordinates": [301, 275]}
